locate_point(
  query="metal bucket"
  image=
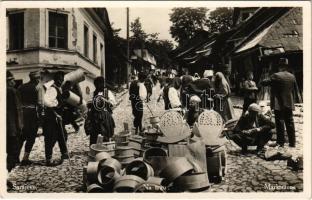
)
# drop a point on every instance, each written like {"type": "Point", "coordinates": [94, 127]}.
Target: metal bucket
{"type": "Point", "coordinates": [92, 172]}
{"type": "Point", "coordinates": [154, 120]}
{"type": "Point", "coordinates": [127, 183]}
{"type": "Point", "coordinates": [153, 152]}
{"type": "Point", "coordinates": [97, 148]}
{"type": "Point", "coordinates": [102, 156]}
{"type": "Point", "coordinates": [135, 143]}
{"type": "Point", "coordinates": [107, 176]}
{"type": "Point", "coordinates": [192, 182]}
{"type": "Point", "coordinates": [125, 160]}
{"type": "Point", "coordinates": [113, 163]}
{"type": "Point", "coordinates": [94, 188]}
{"type": "Point", "coordinates": [140, 169]}
{"type": "Point", "coordinates": [137, 152]}
{"type": "Point", "coordinates": [123, 151]}
{"type": "Point", "coordinates": [214, 165]}
{"type": "Point", "coordinates": [175, 168]}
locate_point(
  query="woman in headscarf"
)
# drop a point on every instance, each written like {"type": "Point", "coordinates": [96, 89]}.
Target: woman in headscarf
{"type": "Point", "coordinates": [223, 104]}
{"type": "Point", "coordinates": [100, 110]}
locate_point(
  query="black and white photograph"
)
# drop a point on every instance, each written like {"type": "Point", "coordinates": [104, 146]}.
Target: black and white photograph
{"type": "Point", "coordinates": [181, 98]}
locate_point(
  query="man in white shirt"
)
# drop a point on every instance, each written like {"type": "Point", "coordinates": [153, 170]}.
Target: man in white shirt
{"type": "Point", "coordinates": [137, 95]}
{"type": "Point", "coordinates": [53, 127]}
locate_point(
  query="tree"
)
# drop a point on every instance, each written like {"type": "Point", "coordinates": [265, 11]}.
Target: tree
{"type": "Point", "coordinates": [219, 20]}
{"type": "Point", "coordinates": [186, 21]}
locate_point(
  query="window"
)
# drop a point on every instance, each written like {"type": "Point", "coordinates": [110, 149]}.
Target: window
{"type": "Point", "coordinates": [95, 48]}
{"type": "Point", "coordinates": [102, 54]}
{"type": "Point", "coordinates": [57, 30]}
{"type": "Point", "coordinates": [86, 41]}
{"type": "Point", "coordinates": [16, 31]}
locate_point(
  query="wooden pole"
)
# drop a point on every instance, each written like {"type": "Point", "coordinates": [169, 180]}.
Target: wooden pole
{"type": "Point", "coordinates": [128, 50]}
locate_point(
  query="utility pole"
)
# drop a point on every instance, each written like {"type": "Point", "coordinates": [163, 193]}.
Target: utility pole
{"type": "Point", "coordinates": [128, 49]}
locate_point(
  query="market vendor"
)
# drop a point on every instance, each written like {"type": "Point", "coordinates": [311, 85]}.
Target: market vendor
{"type": "Point", "coordinates": [252, 129]}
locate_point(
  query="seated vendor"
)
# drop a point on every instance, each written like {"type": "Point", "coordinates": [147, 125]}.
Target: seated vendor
{"type": "Point", "coordinates": [193, 111]}
{"type": "Point", "coordinates": [252, 129]}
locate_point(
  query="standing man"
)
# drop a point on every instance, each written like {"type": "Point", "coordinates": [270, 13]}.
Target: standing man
{"type": "Point", "coordinates": [137, 95]}
{"type": "Point", "coordinates": [53, 127]}
{"type": "Point", "coordinates": [250, 92]}
{"type": "Point", "coordinates": [29, 96]}
{"type": "Point", "coordinates": [282, 86]}
{"type": "Point", "coordinates": [14, 124]}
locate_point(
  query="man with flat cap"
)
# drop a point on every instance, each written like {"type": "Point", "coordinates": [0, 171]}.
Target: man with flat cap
{"type": "Point", "coordinates": [30, 101]}
{"type": "Point", "coordinates": [282, 86]}
{"type": "Point", "coordinates": [252, 129]}
{"type": "Point", "coordinates": [14, 124]}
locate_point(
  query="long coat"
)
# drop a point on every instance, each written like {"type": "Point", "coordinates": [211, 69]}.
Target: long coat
{"type": "Point", "coordinates": [282, 88]}
{"type": "Point", "coordinates": [14, 113]}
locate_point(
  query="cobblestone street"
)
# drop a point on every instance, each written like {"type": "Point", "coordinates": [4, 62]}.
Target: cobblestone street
{"type": "Point", "coordinates": [244, 173]}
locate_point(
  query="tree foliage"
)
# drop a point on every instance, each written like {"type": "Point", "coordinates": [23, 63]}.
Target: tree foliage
{"type": "Point", "coordinates": [159, 48]}
{"type": "Point", "coordinates": [219, 20]}
{"type": "Point", "coordinates": [187, 21]}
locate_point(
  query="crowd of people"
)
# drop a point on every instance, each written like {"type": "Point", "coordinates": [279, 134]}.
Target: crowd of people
{"type": "Point", "coordinates": [191, 95]}
{"type": "Point", "coordinates": [28, 107]}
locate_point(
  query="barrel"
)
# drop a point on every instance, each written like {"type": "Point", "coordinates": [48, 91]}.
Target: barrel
{"type": "Point", "coordinates": [175, 168]}
{"type": "Point", "coordinates": [140, 169]}
{"type": "Point", "coordinates": [94, 188]}
{"type": "Point", "coordinates": [127, 183]}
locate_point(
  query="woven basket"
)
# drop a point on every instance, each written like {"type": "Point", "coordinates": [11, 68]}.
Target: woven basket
{"type": "Point", "coordinates": [210, 126]}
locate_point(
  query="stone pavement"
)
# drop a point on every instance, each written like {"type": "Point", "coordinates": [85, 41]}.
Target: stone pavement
{"type": "Point", "coordinates": [244, 173]}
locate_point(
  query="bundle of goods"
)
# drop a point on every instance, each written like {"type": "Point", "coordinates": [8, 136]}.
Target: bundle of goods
{"type": "Point", "coordinates": [71, 98]}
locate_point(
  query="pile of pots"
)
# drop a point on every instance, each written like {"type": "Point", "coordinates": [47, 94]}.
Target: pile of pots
{"type": "Point", "coordinates": [153, 172]}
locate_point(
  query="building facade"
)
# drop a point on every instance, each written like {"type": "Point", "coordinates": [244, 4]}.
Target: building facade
{"type": "Point", "coordinates": [49, 39]}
